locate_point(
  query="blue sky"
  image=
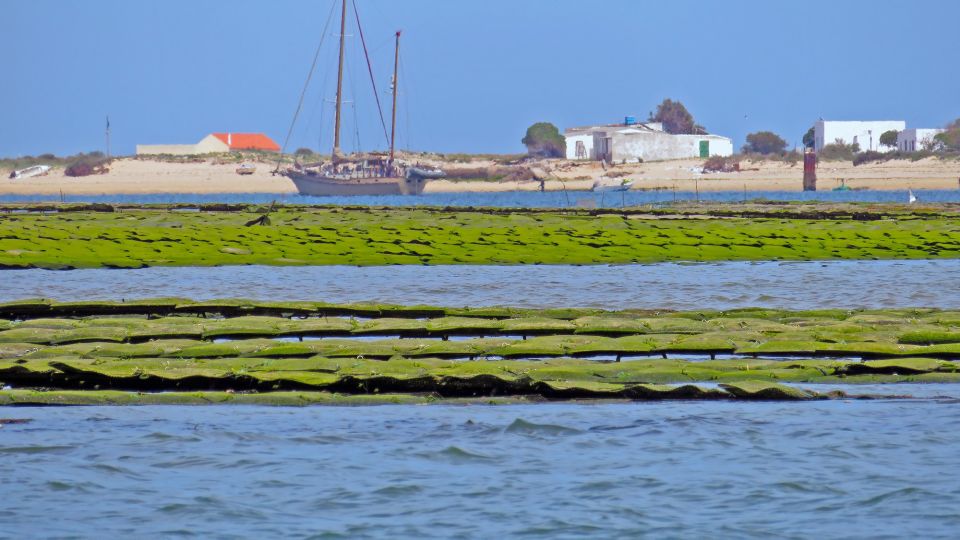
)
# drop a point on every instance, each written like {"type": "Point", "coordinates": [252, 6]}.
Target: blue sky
{"type": "Point", "coordinates": [475, 73]}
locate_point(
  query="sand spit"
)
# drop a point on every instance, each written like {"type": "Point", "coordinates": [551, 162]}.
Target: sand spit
{"type": "Point", "coordinates": [134, 176]}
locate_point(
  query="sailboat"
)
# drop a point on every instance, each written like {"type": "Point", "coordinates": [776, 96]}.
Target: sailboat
{"type": "Point", "coordinates": [361, 174]}
{"type": "Point", "coordinates": [911, 198]}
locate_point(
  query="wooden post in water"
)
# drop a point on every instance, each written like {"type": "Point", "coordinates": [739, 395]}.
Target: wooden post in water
{"type": "Point", "coordinates": [809, 170]}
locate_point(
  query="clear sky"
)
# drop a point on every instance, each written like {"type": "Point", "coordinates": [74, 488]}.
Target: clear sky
{"type": "Point", "coordinates": [475, 73]}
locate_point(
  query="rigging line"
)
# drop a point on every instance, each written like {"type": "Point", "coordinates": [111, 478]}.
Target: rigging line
{"type": "Point", "coordinates": [352, 88]}
{"type": "Point", "coordinates": [321, 103]}
{"type": "Point", "coordinates": [406, 102]}
{"type": "Point", "coordinates": [370, 69]}
{"type": "Point", "coordinates": [306, 85]}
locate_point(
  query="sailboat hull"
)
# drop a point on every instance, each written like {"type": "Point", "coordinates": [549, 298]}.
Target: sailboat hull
{"type": "Point", "coordinates": [321, 186]}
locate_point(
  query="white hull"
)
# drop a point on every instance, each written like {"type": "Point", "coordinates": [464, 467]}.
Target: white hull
{"type": "Point", "coordinates": [30, 172]}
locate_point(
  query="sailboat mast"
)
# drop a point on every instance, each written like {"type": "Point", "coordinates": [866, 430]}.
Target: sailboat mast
{"type": "Point", "coordinates": [343, 36]}
{"type": "Point", "coordinates": [396, 83]}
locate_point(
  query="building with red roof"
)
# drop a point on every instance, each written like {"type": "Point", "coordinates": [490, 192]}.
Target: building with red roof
{"type": "Point", "coordinates": [215, 143]}
{"type": "Point", "coordinates": [248, 141]}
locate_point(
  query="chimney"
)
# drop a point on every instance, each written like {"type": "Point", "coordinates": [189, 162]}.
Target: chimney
{"type": "Point", "coordinates": [230, 140]}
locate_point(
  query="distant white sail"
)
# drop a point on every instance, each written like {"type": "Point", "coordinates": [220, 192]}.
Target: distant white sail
{"type": "Point", "coordinates": [912, 198]}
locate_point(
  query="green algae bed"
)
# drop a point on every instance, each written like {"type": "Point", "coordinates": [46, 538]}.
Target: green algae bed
{"type": "Point", "coordinates": [93, 236]}
{"type": "Point", "coordinates": [301, 353]}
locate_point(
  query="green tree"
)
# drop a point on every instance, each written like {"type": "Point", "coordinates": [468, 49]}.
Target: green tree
{"type": "Point", "coordinates": [543, 139]}
{"type": "Point", "coordinates": [303, 152]}
{"type": "Point", "coordinates": [764, 142]}
{"type": "Point", "coordinates": [810, 138]}
{"type": "Point", "coordinates": [676, 118]}
{"type": "Point", "coordinates": [950, 139]}
{"type": "Point", "coordinates": [889, 138]}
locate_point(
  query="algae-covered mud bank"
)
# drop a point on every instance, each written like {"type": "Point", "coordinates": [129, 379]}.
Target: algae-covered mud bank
{"type": "Point", "coordinates": [64, 237]}
{"type": "Point", "coordinates": [170, 351]}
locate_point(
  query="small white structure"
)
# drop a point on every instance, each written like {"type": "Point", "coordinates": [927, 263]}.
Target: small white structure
{"type": "Point", "coordinates": [580, 143]}
{"type": "Point", "coordinates": [630, 142]}
{"type": "Point", "coordinates": [864, 134]}
{"type": "Point", "coordinates": [913, 140]}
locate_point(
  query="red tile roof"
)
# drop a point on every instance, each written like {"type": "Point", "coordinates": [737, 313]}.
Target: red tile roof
{"type": "Point", "coordinates": [248, 141]}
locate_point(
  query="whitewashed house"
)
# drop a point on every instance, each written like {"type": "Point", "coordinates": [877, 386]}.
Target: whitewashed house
{"type": "Point", "coordinates": [631, 142]}
{"type": "Point", "coordinates": [864, 134]}
{"type": "Point", "coordinates": [913, 140]}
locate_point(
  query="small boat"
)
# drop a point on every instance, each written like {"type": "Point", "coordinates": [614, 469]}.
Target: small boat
{"type": "Point", "coordinates": [911, 197]}
{"type": "Point", "coordinates": [30, 172]}
{"type": "Point", "coordinates": [246, 169]}
{"type": "Point", "coordinates": [843, 186]}
{"type": "Point", "coordinates": [427, 173]}
{"type": "Point", "coordinates": [624, 185]}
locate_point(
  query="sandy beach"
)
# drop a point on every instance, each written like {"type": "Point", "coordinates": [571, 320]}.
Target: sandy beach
{"type": "Point", "coordinates": [134, 176]}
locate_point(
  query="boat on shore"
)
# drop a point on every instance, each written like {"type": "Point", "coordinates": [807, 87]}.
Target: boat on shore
{"type": "Point", "coordinates": [246, 169]}
{"type": "Point", "coordinates": [30, 172]}
{"type": "Point", "coordinates": [601, 186]}
{"type": "Point", "coordinates": [361, 174]}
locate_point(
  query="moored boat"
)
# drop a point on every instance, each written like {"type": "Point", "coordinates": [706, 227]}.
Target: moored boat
{"type": "Point", "coordinates": [365, 174]}
{"type": "Point", "coordinates": [623, 185]}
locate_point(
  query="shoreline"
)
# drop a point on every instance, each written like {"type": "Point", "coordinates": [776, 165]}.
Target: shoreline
{"type": "Point", "coordinates": [130, 176]}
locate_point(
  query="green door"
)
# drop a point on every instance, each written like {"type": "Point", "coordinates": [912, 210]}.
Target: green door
{"type": "Point", "coordinates": [704, 149]}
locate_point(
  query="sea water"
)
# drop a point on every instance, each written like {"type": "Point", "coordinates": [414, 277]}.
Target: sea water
{"type": "Point", "coordinates": [834, 469]}
{"type": "Point", "coordinates": [678, 286]}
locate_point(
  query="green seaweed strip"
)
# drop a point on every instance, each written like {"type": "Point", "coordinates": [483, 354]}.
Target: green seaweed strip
{"type": "Point", "coordinates": [141, 237]}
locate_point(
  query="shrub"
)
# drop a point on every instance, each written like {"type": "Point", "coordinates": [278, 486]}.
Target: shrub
{"type": "Point", "coordinates": [722, 164]}
{"type": "Point", "coordinates": [764, 142]}
{"type": "Point", "coordinates": [870, 156]}
{"type": "Point", "coordinates": [79, 169]}
{"type": "Point", "coordinates": [303, 152]}
{"type": "Point", "coordinates": [543, 139]}
{"type": "Point", "coordinates": [950, 139]}
{"type": "Point", "coordinates": [838, 151]}
{"type": "Point", "coordinates": [676, 119]}
{"type": "Point", "coordinates": [88, 164]}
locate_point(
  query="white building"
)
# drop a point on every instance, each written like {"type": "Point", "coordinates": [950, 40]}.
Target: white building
{"type": "Point", "coordinates": [912, 140]}
{"type": "Point", "coordinates": [631, 142]}
{"type": "Point", "coordinates": [864, 134]}
{"type": "Point", "coordinates": [215, 143]}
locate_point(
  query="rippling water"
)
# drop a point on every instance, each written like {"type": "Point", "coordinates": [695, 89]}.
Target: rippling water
{"type": "Point", "coordinates": [845, 469]}
{"type": "Point", "coordinates": [515, 199]}
{"type": "Point", "coordinates": [837, 469]}
{"type": "Point", "coordinates": [800, 285]}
